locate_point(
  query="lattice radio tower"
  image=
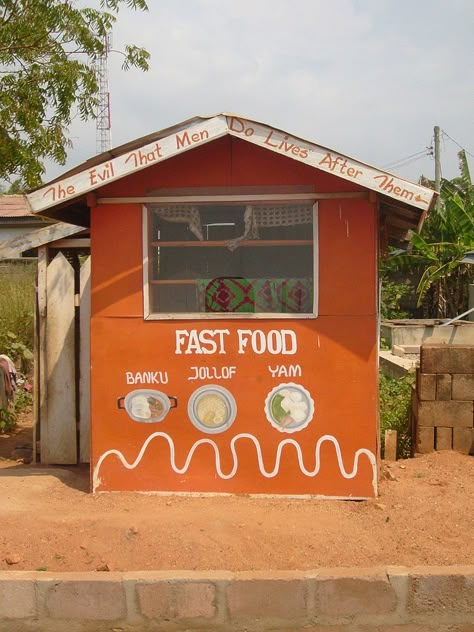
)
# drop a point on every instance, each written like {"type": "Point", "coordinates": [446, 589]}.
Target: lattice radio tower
{"type": "Point", "coordinates": [103, 135]}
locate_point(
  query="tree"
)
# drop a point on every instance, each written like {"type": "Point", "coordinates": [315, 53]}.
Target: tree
{"type": "Point", "coordinates": [47, 77]}
{"type": "Point", "coordinates": [437, 251]}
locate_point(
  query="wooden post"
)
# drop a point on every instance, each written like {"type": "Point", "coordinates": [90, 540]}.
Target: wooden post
{"type": "Point", "coordinates": [84, 362]}
{"type": "Point", "coordinates": [437, 159]}
{"type": "Point", "coordinates": [471, 301]}
{"type": "Point", "coordinates": [36, 374]}
{"type": "Point", "coordinates": [42, 388]}
{"type": "Point", "coordinates": [390, 452]}
{"type": "Point", "coordinates": [59, 442]}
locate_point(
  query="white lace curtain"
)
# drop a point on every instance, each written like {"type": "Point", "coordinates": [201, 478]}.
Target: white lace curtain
{"type": "Point", "coordinates": [183, 214]}
{"type": "Point", "coordinates": [264, 216]}
{"type": "Point", "coordinates": [255, 217]}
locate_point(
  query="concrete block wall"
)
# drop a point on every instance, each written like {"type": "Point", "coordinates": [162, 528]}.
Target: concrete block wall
{"type": "Point", "coordinates": [443, 399]}
{"type": "Point", "coordinates": [389, 599]}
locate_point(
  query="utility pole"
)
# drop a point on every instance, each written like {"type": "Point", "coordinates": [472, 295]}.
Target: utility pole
{"type": "Point", "coordinates": [437, 159]}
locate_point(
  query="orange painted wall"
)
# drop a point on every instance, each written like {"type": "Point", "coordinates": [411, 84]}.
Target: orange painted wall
{"type": "Point", "coordinates": [336, 352]}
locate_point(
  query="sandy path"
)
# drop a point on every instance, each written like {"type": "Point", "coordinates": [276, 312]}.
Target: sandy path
{"type": "Point", "coordinates": [48, 520]}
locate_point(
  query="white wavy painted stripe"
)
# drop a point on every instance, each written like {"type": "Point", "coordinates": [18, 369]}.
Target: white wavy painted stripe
{"type": "Point", "coordinates": [267, 474]}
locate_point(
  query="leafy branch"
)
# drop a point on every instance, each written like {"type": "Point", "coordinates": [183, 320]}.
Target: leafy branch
{"type": "Point", "coordinates": [47, 75]}
{"type": "Point", "coordinates": [437, 252]}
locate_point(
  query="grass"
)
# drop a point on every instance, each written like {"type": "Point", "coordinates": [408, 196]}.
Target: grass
{"type": "Point", "coordinates": [17, 304]}
{"type": "Point", "coordinates": [394, 398]}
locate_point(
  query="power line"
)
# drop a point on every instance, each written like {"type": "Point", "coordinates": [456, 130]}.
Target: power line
{"type": "Point", "coordinates": [402, 162]}
{"type": "Point", "coordinates": [410, 162]}
{"type": "Point", "coordinates": [456, 143]}
{"type": "Point", "coordinates": [403, 159]}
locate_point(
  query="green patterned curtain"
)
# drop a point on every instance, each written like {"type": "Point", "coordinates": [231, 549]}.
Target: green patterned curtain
{"type": "Point", "coordinates": [234, 294]}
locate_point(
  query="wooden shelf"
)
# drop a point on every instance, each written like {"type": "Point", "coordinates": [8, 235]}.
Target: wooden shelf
{"type": "Point", "coordinates": [218, 244]}
{"type": "Point", "coordinates": [182, 281]}
{"type": "Point", "coordinates": [173, 281]}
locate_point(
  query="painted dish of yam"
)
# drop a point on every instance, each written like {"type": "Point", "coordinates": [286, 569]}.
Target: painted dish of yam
{"type": "Point", "coordinates": [212, 409]}
{"type": "Point", "coordinates": [289, 407]}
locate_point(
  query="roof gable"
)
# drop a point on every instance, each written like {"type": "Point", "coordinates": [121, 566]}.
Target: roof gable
{"type": "Point", "coordinates": [163, 145]}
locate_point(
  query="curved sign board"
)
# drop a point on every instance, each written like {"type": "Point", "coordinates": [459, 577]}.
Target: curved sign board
{"type": "Point", "coordinates": [207, 130]}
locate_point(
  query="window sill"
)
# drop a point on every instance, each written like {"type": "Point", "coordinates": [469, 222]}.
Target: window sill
{"type": "Point", "coordinates": [230, 316]}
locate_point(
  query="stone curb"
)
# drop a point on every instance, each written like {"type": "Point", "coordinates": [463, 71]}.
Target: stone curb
{"type": "Point", "coordinates": [388, 599]}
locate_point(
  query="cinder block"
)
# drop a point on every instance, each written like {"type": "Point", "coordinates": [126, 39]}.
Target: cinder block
{"type": "Point", "coordinates": [463, 440]}
{"type": "Point", "coordinates": [155, 599]}
{"type": "Point", "coordinates": [445, 358]}
{"type": "Point", "coordinates": [463, 387]}
{"type": "Point", "coordinates": [443, 386]}
{"type": "Point", "coordinates": [277, 599]}
{"type": "Point", "coordinates": [461, 359]}
{"type": "Point", "coordinates": [17, 598]}
{"type": "Point", "coordinates": [176, 599]}
{"type": "Point", "coordinates": [425, 440]}
{"type": "Point", "coordinates": [194, 600]}
{"type": "Point", "coordinates": [367, 593]}
{"type": "Point", "coordinates": [441, 590]}
{"type": "Point", "coordinates": [434, 359]}
{"type": "Point", "coordinates": [454, 414]}
{"type": "Point", "coordinates": [444, 438]}
{"type": "Point", "coordinates": [98, 600]}
{"type": "Point", "coordinates": [426, 385]}
{"type": "Point", "coordinates": [402, 350]}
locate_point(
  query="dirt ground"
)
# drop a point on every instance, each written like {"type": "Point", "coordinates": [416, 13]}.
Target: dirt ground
{"type": "Point", "coordinates": [49, 521]}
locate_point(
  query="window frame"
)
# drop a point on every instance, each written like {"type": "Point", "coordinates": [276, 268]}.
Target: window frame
{"type": "Point", "coordinates": [245, 199]}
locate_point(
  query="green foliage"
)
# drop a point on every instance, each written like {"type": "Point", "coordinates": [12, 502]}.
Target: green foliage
{"type": "Point", "coordinates": [445, 239]}
{"type": "Point", "coordinates": [7, 420]}
{"type": "Point", "coordinates": [392, 294]}
{"type": "Point", "coordinates": [47, 76]}
{"type": "Point", "coordinates": [14, 188]}
{"type": "Point", "coordinates": [17, 351]}
{"type": "Point", "coordinates": [394, 401]}
{"type": "Point", "coordinates": [17, 301]}
{"type": "Point", "coordinates": [23, 400]}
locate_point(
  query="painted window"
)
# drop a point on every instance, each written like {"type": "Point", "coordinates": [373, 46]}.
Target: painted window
{"type": "Point", "coordinates": [230, 258]}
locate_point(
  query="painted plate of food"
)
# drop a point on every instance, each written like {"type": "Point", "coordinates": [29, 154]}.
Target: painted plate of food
{"type": "Point", "coordinates": [289, 407]}
{"type": "Point", "coordinates": [147, 405]}
{"type": "Point", "coordinates": [212, 409]}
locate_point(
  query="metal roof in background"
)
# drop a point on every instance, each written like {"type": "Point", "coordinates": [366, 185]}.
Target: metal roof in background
{"type": "Point", "coordinates": [469, 258]}
{"type": "Point", "coordinates": [15, 206]}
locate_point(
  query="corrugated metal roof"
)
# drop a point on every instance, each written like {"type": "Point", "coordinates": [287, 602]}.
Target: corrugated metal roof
{"type": "Point", "coordinates": [132, 145]}
{"type": "Point", "coordinates": [15, 206]}
{"type": "Point", "coordinates": [404, 204]}
{"type": "Point", "coordinates": [144, 141]}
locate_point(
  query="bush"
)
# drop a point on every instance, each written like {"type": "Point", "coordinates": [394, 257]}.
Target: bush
{"type": "Point", "coordinates": [394, 399]}
{"type": "Point", "coordinates": [7, 420]}
{"type": "Point", "coordinates": [392, 294]}
{"type": "Point", "coordinates": [23, 400]}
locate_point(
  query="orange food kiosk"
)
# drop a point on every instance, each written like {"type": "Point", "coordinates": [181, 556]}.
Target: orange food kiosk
{"type": "Point", "coordinates": [234, 310]}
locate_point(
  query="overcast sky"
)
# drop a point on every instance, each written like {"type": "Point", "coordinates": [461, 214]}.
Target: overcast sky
{"type": "Point", "coordinates": [370, 78]}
